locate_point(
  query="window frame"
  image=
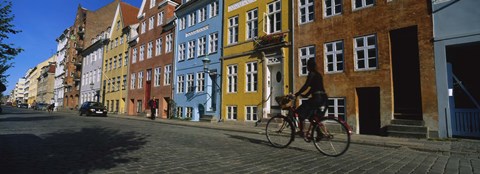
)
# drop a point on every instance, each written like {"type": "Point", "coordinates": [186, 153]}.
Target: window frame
{"type": "Point", "coordinates": [365, 49]}
{"type": "Point", "coordinates": [302, 64]}
{"type": "Point", "coordinates": [232, 112]}
{"type": "Point", "coordinates": [251, 86]}
{"type": "Point", "coordinates": [335, 52]}
{"type": "Point", "coordinates": [232, 78]}
{"type": "Point", "coordinates": [306, 6]}
{"type": "Point", "coordinates": [233, 30]}
{"type": "Point", "coordinates": [251, 112]}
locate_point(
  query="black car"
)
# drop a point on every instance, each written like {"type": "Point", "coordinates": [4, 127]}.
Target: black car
{"type": "Point", "coordinates": [23, 105]}
{"type": "Point", "coordinates": [93, 108]}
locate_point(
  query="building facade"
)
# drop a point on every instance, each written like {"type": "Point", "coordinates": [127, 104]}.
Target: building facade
{"type": "Point", "coordinates": [97, 28]}
{"type": "Point", "coordinates": [376, 58]}
{"type": "Point", "coordinates": [19, 91]}
{"type": "Point", "coordinates": [73, 60]}
{"type": "Point", "coordinates": [115, 64]}
{"type": "Point", "coordinates": [59, 89]}
{"type": "Point", "coordinates": [256, 58]}
{"type": "Point", "coordinates": [151, 63]}
{"type": "Point", "coordinates": [33, 79]}
{"type": "Point", "coordinates": [199, 33]}
{"type": "Point", "coordinates": [46, 84]}
{"type": "Point", "coordinates": [457, 41]}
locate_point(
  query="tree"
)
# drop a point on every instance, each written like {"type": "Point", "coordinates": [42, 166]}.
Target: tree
{"type": "Point", "coordinates": [7, 50]}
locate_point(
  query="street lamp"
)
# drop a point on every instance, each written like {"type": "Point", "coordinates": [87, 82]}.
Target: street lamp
{"type": "Point", "coordinates": [206, 62]}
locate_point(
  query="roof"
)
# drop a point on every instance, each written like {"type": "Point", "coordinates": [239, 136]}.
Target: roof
{"type": "Point", "coordinates": [129, 13]}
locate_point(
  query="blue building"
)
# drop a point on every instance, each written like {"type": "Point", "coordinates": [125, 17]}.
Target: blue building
{"type": "Point", "coordinates": [457, 45]}
{"type": "Point", "coordinates": [197, 63]}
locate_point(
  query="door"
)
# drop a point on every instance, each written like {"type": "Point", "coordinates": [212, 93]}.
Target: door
{"type": "Point", "coordinates": [275, 82]}
{"type": "Point", "coordinates": [369, 110]}
{"type": "Point", "coordinates": [406, 73]}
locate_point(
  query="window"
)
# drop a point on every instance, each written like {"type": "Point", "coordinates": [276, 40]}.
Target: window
{"type": "Point", "coordinates": [126, 59]}
{"type": "Point", "coordinates": [120, 60]}
{"type": "Point", "coordinates": [181, 23]}
{"type": "Point", "coordinates": [114, 62]}
{"type": "Point", "coordinates": [188, 112]}
{"type": "Point", "coordinates": [251, 113]}
{"type": "Point", "coordinates": [336, 108]}
{"type": "Point", "coordinates": [332, 7]}
{"type": "Point", "coordinates": [118, 25]}
{"type": "Point", "coordinates": [151, 21]}
{"type": "Point", "coordinates": [200, 82]}
{"type": "Point", "coordinates": [158, 46]}
{"type": "Point", "coordinates": [118, 83]}
{"type": "Point", "coordinates": [252, 79]}
{"type": "Point", "coordinates": [152, 3]}
{"type": "Point", "coordinates": [192, 19]}
{"type": "Point", "coordinates": [181, 52]}
{"type": "Point", "coordinates": [168, 43]}
{"type": "Point", "coordinates": [233, 30]}
{"type": "Point", "coordinates": [334, 56]}
{"type": "Point", "coordinates": [116, 42]}
{"type": "Point", "coordinates": [160, 18]}
{"type": "Point", "coordinates": [232, 78]}
{"type": "Point", "coordinates": [110, 64]}
{"type": "Point", "coordinates": [140, 80]}
{"type": "Point", "coordinates": [149, 75]}
{"type": "Point", "coordinates": [190, 80]}
{"type": "Point", "coordinates": [142, 52]}
{"type": "Point", "coordinates": [212, 43]}
{"type": "Point", "coordinates": [191, 49]}
{"type": "Point", "coordinates": [134, 55]}
{"type": "Point", "coordinates": [201, 46]}
{"type": "Point", "coordinates": [231, 112]}
{"type": "Point", "coordinates": [252, 24]}
{"type": "Point", "coordinates": [307, 11]}
{"type": "Point", "coordinates": [149, 50]}
{"type": "Point", "coordinates": [180, 83]}
{"type": "Point", "coordinates": [179, 112]}
{"type": "Point", "coordinates": [139, 106]}
{"type": "Point", "coordinates": [362, 3]}
{"type": "Point", "coordinates": [167, 73]}
{"type": "Point", "coordinates": [274, 17]}
{"type": "Point", "coordinates": [144, 23]}
{"type": "Point", "coordinates": [121, 39]}
{"type": "Point", "coordinates": [156, 79]}
{"type": "Point", "coordinates": [124, 82]}
{"type": "Point", "coordinates": [214, 9]}
{"type": "Point", "coordinates": [365, 53]}
{"type": "Point", "coordinates": [305, 54]}
{"type": "Point", "coordinates": [202, 14]}
{"type": "Point", "coordinates": [132, 81]}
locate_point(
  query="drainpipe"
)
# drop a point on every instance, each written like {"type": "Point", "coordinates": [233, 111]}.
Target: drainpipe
{"type": "Point", "coordinates": [292, 40]}
{"type": "Point", "coordinates": [265, 85]}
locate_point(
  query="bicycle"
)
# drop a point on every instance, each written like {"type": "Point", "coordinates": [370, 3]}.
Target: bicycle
{"type": "Point", "coordinates": [330, 135]}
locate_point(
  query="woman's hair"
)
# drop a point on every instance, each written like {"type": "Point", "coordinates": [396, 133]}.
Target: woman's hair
{"type": "Point", "coordinates": [311, 65]}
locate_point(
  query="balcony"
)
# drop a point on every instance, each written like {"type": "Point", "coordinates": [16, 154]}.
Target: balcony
{"type": "Point", "coordinates": [271, 40]}
{"type": "Point", "coordinates": [77, 77]}
{"type": "Point", "coordinates": [79, 48]}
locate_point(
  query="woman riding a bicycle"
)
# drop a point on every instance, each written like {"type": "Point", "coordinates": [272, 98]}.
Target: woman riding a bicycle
{"type": "Point", "coordinates": [318, 96]}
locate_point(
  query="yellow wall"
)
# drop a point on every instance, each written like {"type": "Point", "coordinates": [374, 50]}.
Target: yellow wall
{"type": "Point", "coordinates": [110, 54]}
{"type": "Point", "coordinates": [244, 52]}
{"type": "Point", "coordinates": [33, 85]}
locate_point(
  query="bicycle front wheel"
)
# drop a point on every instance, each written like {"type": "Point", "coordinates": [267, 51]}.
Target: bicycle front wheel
{"type": "Point", "coordinates": [331, 137]}
{"type": "Point", "coordinates": [280, 131]}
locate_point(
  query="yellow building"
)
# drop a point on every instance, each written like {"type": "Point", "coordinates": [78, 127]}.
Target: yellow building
{"type": "Point", "coordinates": [115, 61]}
{"type": "Point", "coordinates": [256, 58]}
{"type": "Point", "coordinates": [33, 79]}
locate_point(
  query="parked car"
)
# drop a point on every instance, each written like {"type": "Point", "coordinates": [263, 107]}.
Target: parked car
{"type": "Point", "coordinates": [92, 108]}
{"type": "Point", "coordinates": [23, 105]}
{"type": "Point", "coordinates": [41, 106]}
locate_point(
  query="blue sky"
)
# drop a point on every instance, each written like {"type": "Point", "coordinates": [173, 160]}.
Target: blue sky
{"type": "Point", "coordinates": [41, 22]}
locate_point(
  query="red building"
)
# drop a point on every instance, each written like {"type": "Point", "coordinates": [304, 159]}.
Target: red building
{"type": "Point", "coordinates": [151, 58]}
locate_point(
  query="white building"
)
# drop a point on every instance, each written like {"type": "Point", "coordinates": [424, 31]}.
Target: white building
{"type": "Point", "coordinates": [19, 91]}
{"type": "Point", "coordinates": [59, 89]}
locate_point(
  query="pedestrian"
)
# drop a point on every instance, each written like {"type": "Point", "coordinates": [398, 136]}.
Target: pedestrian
{"type": "Point", "coordinates": [153, 107]}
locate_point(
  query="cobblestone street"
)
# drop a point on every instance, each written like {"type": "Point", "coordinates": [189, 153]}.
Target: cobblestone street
{"type": "Point", "coordinates": [38, 142]}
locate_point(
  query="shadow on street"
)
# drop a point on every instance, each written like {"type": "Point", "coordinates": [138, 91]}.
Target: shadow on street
{"type": "Point", "coordinates": [42, 118]}
{"type": "Point", "coordinates": [68, 151]}
{"type": "Point", "coordinates": [262, 142]}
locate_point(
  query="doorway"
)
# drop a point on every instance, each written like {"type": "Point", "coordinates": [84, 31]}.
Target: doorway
{"type": "Point", "coordinates": [406, 73]}
{"type": "Point", "coordinates": [275, 82]}
{"type": "Point", "coordinates": [369, 110]}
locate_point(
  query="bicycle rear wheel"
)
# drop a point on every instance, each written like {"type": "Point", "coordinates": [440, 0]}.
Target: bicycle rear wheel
{"type": "Point", "coordinates": [331, 137]}
{"type": "Point", "coordinates": [280, 131]}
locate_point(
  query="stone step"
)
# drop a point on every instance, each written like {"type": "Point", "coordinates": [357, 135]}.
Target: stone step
{"type": "Point", "coordinates": [408, 122]}
{"type": "Point", "coordinates": [208, 118]}
{"type": "Point", "coordinates": [408, 134]}
{"type": "Point", "coordinates": [407, 128]}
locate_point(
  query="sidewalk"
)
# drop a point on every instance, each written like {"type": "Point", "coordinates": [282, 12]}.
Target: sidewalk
{"type": "Point", "coordinates": [462, 147]}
